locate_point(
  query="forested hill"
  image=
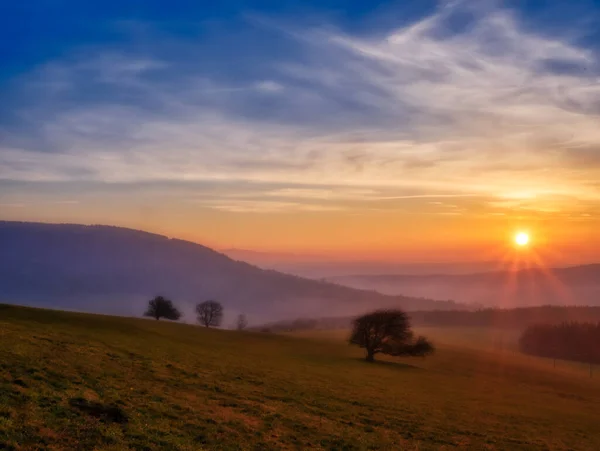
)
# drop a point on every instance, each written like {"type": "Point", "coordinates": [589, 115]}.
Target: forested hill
{"type": "Point", "coordinates": [115, 270]}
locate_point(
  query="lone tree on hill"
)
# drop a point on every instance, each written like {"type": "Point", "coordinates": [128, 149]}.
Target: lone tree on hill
{"type": "Point", "coordinates": [242, 322]}
{"type": "Point", "coordinates": [210, 313]}
{"type": "Point", "coordinates": [160, 307]}
{"type": "Point", "coordinates": [388, 332]}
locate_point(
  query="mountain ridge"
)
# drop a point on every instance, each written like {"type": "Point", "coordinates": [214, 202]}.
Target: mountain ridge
{"type": "Point", "coordinates": [110, 269]}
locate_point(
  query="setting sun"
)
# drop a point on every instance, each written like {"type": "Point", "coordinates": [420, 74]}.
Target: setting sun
{"type": "Point", "coordinates": [522, 239]}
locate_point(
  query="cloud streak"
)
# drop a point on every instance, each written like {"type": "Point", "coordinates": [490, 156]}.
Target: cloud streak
{"type": "Point", "coordinates": [430, 108]}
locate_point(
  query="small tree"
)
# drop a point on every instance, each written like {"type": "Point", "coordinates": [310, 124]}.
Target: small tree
{"type": "Point", "coordinates": [160, 307]}
{"type": "Point", "coordinates": [210, 313]}
{"type": "Point", "coordinates": [242, 322]}
{"type": "Point", "coordinates": [388, 332]}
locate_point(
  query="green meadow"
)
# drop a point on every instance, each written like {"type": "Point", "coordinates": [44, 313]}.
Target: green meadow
{"type": "Point", "coordinates": [71, 381]}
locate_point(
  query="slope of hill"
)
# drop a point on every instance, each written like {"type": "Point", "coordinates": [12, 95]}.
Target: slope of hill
{"type": "Point", "coordinates": [114, 270]}
{"type": "Point", "coordinates": [577, 285]}
{"type": "Point", "coordinates": [71, 381]}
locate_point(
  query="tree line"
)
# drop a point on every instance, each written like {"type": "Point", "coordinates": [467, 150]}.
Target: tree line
{"type": "Point", "coordinates": [208, 313]}
{"type": "Point", "coordinates": [576, 341]}
{"type": "Point", "coordinates": [513, 318]}
{"type": "Point", "coordinates": [379, 332]}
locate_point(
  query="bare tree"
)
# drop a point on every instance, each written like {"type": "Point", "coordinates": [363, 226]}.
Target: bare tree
{"type": "Point", "coordinates": [210, 313]}
{"type": "Point", "coordinates": [242, 322]}
{"type": "Point", "coordinates": [388, 332]}
{"type": "Point", "coordinates": [160, 307]}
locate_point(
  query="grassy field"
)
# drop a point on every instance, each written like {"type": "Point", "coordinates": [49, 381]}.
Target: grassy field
{"type": "Point", "coordinates": [81, 382]}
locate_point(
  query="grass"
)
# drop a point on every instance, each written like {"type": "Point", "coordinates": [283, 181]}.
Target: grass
{"type": "Point", "coordinates": [88, 382]}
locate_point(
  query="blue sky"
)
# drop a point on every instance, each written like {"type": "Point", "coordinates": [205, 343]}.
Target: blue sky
{"type": "Point", "coordinates": [278, 106]}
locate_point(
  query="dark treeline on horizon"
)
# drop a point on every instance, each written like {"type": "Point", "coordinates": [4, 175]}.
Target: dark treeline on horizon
{"type": "Point", "coordinates": [578, 342]}
{"type": "Point", "coordinates": [517, 318]}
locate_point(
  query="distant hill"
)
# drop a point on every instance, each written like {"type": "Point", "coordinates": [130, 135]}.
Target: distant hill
{"type": "Point", "coordinates": [323, 266]}
{"type": "Point", "coordinates": [577, 285]}
{"type": "Point", "coordinates": [115, 270]}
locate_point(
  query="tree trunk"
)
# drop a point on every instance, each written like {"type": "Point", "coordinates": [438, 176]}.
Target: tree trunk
{"type": "Point", "coordinates": [370, 356]}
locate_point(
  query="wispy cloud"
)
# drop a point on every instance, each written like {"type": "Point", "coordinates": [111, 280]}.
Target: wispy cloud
{"type": "Point", "coordinates": [487, 109]}
{"type": "Point", "coordinates": [261, 206]}
{"type": "Point", "coordinates": [323, 193]}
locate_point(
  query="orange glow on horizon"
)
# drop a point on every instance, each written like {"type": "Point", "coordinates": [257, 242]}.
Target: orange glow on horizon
{"type": "Point", "coordinates": [409, 235]}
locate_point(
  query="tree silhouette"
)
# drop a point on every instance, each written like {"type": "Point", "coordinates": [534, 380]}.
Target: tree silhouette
{"type": "Point", "coordinates": [242, 322]}
{"type": "Point", "coordinates": [160, 307]}
{"type": "Point", "coordinates": [210, 313]}
{"type": "Point", "coordinates": [388, 332]}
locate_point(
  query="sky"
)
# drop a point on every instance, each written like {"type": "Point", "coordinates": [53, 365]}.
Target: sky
{"type": "Point", "coordinates": [420, 129]}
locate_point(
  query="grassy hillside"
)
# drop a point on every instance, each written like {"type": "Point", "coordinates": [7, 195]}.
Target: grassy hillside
{"type": "Point", "coordinates": [76, 381]}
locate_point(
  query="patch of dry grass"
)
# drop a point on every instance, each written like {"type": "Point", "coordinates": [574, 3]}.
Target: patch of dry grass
{"type": "Point", "coordinates": [74, 381]}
